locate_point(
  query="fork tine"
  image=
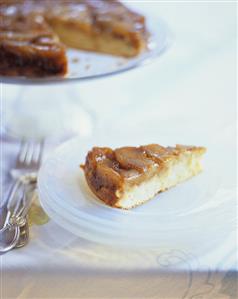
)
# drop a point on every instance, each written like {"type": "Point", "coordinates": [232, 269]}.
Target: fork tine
{"type": "Point", "coordinates": [21, 152]}
{"type": "Point", "coordinates": [29, 153]}
{"type": "Point", "coordinates": [42, 145]}
{"type": "Point", "coordinates": [38, 152]}
{"type": "Point", "coordinates": [25, 153]}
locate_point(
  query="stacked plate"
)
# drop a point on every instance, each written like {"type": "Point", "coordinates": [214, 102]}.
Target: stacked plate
{"type": "Point", "coordinates": [197, 214]}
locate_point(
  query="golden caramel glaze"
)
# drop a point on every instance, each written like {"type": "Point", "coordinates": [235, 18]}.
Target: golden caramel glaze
{"type": "Point", "coordinates": [29, 30]}
{"type": "Point", "coordinates": [99, 16]}
{"type": "Point", "coordinates": [108, 170]}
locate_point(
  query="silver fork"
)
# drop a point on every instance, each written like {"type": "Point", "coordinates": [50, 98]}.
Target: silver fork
{"type": "Point", "coordinates": [25, 174]}
{"type": "Point", "coordinates": [29, 159]}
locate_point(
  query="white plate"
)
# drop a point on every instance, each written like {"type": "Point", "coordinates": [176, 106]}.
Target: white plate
{"type": "Point", "coordinates": [185, 217]}
{"type": "Point", "coordinates": [84, 65]}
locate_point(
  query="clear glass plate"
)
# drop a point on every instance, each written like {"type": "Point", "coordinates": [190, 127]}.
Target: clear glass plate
{"type": "Point", "coordinates": [187, 217]}
{"type": "Point", "coordinates": [89, 65]}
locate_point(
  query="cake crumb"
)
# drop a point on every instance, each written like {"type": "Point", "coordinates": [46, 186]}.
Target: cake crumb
{"type": "Point", "coordinates": [75, 59]}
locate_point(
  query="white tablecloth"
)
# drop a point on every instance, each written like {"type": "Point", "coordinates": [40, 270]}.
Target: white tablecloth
{"type": "Point", "coordinates": [194, 85]}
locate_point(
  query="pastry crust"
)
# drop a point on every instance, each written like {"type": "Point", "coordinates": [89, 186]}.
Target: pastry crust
{"type": "Point", "coordinates": [129, 176]}
{"type": "Point", "coordinates": [33, 33]}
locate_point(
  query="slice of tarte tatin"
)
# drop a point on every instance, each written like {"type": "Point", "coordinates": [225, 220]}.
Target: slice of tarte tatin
{"type": "Point", "coordinates": [130, 176]}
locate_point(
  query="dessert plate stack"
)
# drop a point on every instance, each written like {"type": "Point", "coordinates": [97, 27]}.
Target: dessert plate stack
{"type": "Point", "coordinates": [187, 217]}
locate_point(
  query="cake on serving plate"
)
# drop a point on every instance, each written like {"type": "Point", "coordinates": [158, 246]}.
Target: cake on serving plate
{"type": "Point", "coordinates": [34, 34]}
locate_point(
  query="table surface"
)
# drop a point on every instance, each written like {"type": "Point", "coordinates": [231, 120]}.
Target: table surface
{"type": "Point", "coordinates": [194, 83]}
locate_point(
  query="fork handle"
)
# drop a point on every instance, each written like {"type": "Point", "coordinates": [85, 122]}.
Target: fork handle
{"type": "Point", "coordinates": [14, 240]}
